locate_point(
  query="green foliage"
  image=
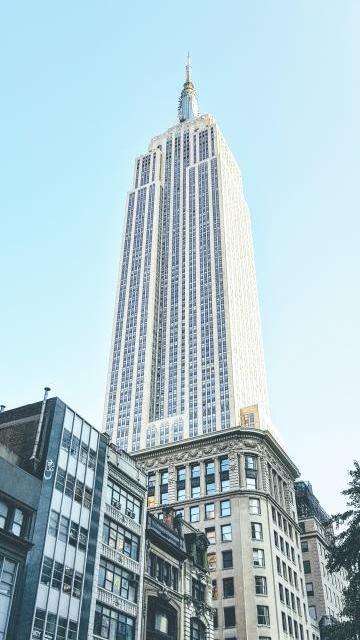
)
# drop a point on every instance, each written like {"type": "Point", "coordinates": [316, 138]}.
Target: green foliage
{"type": "Point", "coordinates": [344, 553]}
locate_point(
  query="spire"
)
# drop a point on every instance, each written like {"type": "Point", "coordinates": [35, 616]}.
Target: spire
{"type": "Point", "coordinates": [188, 103]}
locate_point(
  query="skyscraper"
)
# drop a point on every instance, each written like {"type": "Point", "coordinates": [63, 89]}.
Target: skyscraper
{"type": "Point", "coordinates": [186, 352]}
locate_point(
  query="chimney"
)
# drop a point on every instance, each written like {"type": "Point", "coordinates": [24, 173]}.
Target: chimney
{"type": "Point", "coordinates": [169, 515]}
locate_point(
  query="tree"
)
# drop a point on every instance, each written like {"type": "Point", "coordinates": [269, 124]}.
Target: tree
{"type": "Point", "coordinates": [344, 553]}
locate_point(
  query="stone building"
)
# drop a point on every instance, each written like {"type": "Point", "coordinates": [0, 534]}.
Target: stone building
{"type": "Point", "coordinates": [177, 587]}
{"type": "Point", "coordinates": [237, 486]}
{"type": "Point", "coordinates": [324, 590]}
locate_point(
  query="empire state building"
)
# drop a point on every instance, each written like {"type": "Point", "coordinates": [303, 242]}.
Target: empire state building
{"type": "Point", "coordinates": [186, 354]}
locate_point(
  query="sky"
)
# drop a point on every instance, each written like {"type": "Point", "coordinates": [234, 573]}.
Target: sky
{"type": "Point", "coordinates": [84, 86]}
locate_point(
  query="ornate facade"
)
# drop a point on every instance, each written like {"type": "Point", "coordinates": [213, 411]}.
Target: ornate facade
{"type": "Point", "coordinates": [237, 486]}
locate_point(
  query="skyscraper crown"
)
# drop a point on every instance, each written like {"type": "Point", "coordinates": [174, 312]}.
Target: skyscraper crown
{"type": "Point", "coordinates": [188, 102]}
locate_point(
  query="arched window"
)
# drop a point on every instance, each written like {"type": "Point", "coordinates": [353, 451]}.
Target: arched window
{"type": "Point", "coordinates": [164, 433]}
{"type": "Point", "coordinates": [197, 630]}
{"type": "Point", "coordinates": [178, 430]}
{"type": "Point", "coordinates": [150, 437]}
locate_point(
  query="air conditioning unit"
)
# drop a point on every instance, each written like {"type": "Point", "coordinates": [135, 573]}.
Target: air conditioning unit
{"type": "Point", "coordinates": [130, 513]}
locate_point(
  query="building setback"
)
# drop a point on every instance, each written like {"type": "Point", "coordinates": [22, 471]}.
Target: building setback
{"type": "Point", "coordinates": [238, 487]}
{"type": "Point", "coordinates": [324, 590]}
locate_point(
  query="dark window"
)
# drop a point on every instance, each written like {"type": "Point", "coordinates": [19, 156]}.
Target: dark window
{"type": "Point", "coordinates": [197, 630]}
{"type": "Point", "coordinates": [227, 559]}
{"type": "Point", "coordinates": [163, 571]}
{"type": "Point", "coordinates": [63, 529]}
{"type": "Point", "coordinates": [57, 577]}
{"type": "Point", "coordinates": [198, 590]}
{"type": "Point", "coordinates": [228, 587]}
{"type": "Point", "coordinates": [229, 616]}
{"type": "Point", "coordinates": [224, 473]}
{"type": "Point", "coordinates": [210, 477]}
{"type": "Point", "coordinates": [307, 566]}
{"type": "Point", "coordinates": [47, 570]}
{"type": "Point", "coordinates": [164, 487]}
{"type": "Point", "coordinates": [180, 483]}
{"type": "Point", "coordinates": [112, 624]}
{"type": "Point", "coordinates": [304, 545]}
{"type": "Point", "coordinates": [195, 480]}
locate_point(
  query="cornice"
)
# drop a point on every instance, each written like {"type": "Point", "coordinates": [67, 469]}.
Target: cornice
{"type": "Point", "coordinates": [215, 443]}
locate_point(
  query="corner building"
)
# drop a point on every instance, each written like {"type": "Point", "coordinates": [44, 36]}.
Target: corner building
{"type": "Point", "coordinates": [237, 486]}
{"type": "Point", "coordinates": [186, 352]}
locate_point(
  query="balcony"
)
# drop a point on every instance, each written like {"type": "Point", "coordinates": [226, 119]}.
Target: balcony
{"type": "Point", "coordinates": [125, 520]}
{"type": "Point", "coordinates": [113, 600]}
{"type": "Point", "coordinates": [116, 556]}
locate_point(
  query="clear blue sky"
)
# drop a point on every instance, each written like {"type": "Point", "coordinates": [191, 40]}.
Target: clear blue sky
{"type": "Point", "coordinates": [84, 86]}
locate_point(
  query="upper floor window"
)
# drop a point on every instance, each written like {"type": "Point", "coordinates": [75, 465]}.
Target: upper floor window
{"type": "Point", "coordinates": [225, 508]}
{"type": "Point", "coordinates": [163, 571]}
{"type": "Point", "coordinates": [12, 518]}
{"type": "Point", "coordinates": [151, 489]}
{"type": "Point", "coordinates": [251, 473]}
{"type": "Point", "coordinates": [164, 486]}
{"type": "Point", "coordinates": [210, 477]}
{"type": "Point", "coordinates": [180, 483]}
{"type": "Point", "coordinates": [197, 630]}
{"type": "Point", "coordinates": [119, 538]}
{"type": "Point", "coordinates": [195, 480]}
{"type": "Point", "coordinates": [224, 473]}
{"type": "Point", "coordinates": [122, 499]}
{"type": "Point", "coordinates": [198, 590]}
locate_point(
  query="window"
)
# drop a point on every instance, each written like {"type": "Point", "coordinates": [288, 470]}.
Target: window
{"type": "Point", "coordinates": [260, 586]}
{"type": "Point", "coordinates": [304, 545]}
{"type": "Point", "coordinates": [251, 472]}
{"type": "Point", "coordinates": [228, 587]}
{"type": "Point", "coordinates": [263, 616]}
{"type": "Point", "coordinates": [197, 630]}
{"type": "Point", "coordinates": [118, 580]}
{"type": "Point", "coordinates": [66, 440]}
{"type": "Point", "coordinates": [209, 511]}
{"type": "Point", "coordinates": [229, 617]}
{"type": "Point", "coordinates": [224, 473]}
{"type": "Point", "coordinates": [63, 528]}
{"type": "Point", "coordinates": [226, 533]}
{"type": "Point", "coordinates": [290, 626]}
{"type": "Point", "coordinates": [307, 566]}
{"type": "Point", "coordinates": [256, 531]}
{"type": "Point", "coordinates": [53, 523]}
{"type": "Point", "coordinates": [163, 571]}
{"type": "Point", "coordinates": [210, 534]}
{"type": "Point", "coordinates": [57, 576]}
{"type": "Point", "coordinates": [215, 618]}
{"type": "Point", "coordinates": [164, 487]}
{"type": "Point", "coordinates": [151, 489]}
{"type": "Point", "coordinates": [278, 565]}
{"type": "Point", "coordinates": [258, 558]}
{"type": "Point", "coordinates": [46, 570]}
{"type": "Point", "coordinates": [254, 506]}
{"type": "Point", "coordinates": [119, 538]}
{"type": "Point", "coordinates": [122, 499]}
{"type": "Point", "coordinates": [225, 508]}
{"type": "Point", "coordinates": [309, 588]}
{"type": "Point", "coordinates": [227, 559]}
{"type": "Point", "coordinates": [198, 590]}
{"type": "Point", "coordinates": [210, 477]}
{"type": "Point", "coordinates": [281, 592]}
{"type": "Point", "coordinates": [276, 539]}
{"type": "Point", "coordinates": [195, 480]}
{"type": "Point", "coordinates": [179, 512]}
{"type": "Point", "coordinates": [17, 523]}
{"type": "Point", "coordinates": [113, 624]}
{"type": "Point", "coordinates": [180, 483]}
{"type": "Point", "coordinates": [74, 533]}
{"type": "Point", "coordinates": [284, 623]}
{"type": "Point", "coordinates": [195, 513]}
{"type": "Point", "coordinates": [68, 580]}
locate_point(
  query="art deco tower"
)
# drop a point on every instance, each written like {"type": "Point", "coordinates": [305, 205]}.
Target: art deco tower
{"type": "Point", "coordinates": [186, 353]}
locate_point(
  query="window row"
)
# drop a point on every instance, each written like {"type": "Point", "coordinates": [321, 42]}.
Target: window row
{"type": "Point", "coordinates": [76, 447]}
{"type": "Point", "coordinates": [67, 530]}
{"type": "Point", "coordinates": [225, 532]}
{"type": "Point", "coordinates": [61, 577]}
{"type": "Point", "coordinates": [73, 488]}
{"type": "Point", "coordinates": [163, 571]}
{"type": "Point", "coordinates": [292, 627]}
{"type": "Point", "coordinates": [227, 560]}
{"type": "Point", "coordinates": [111, 624]}
{"type": "Point", "coordinates": [52, 627]}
